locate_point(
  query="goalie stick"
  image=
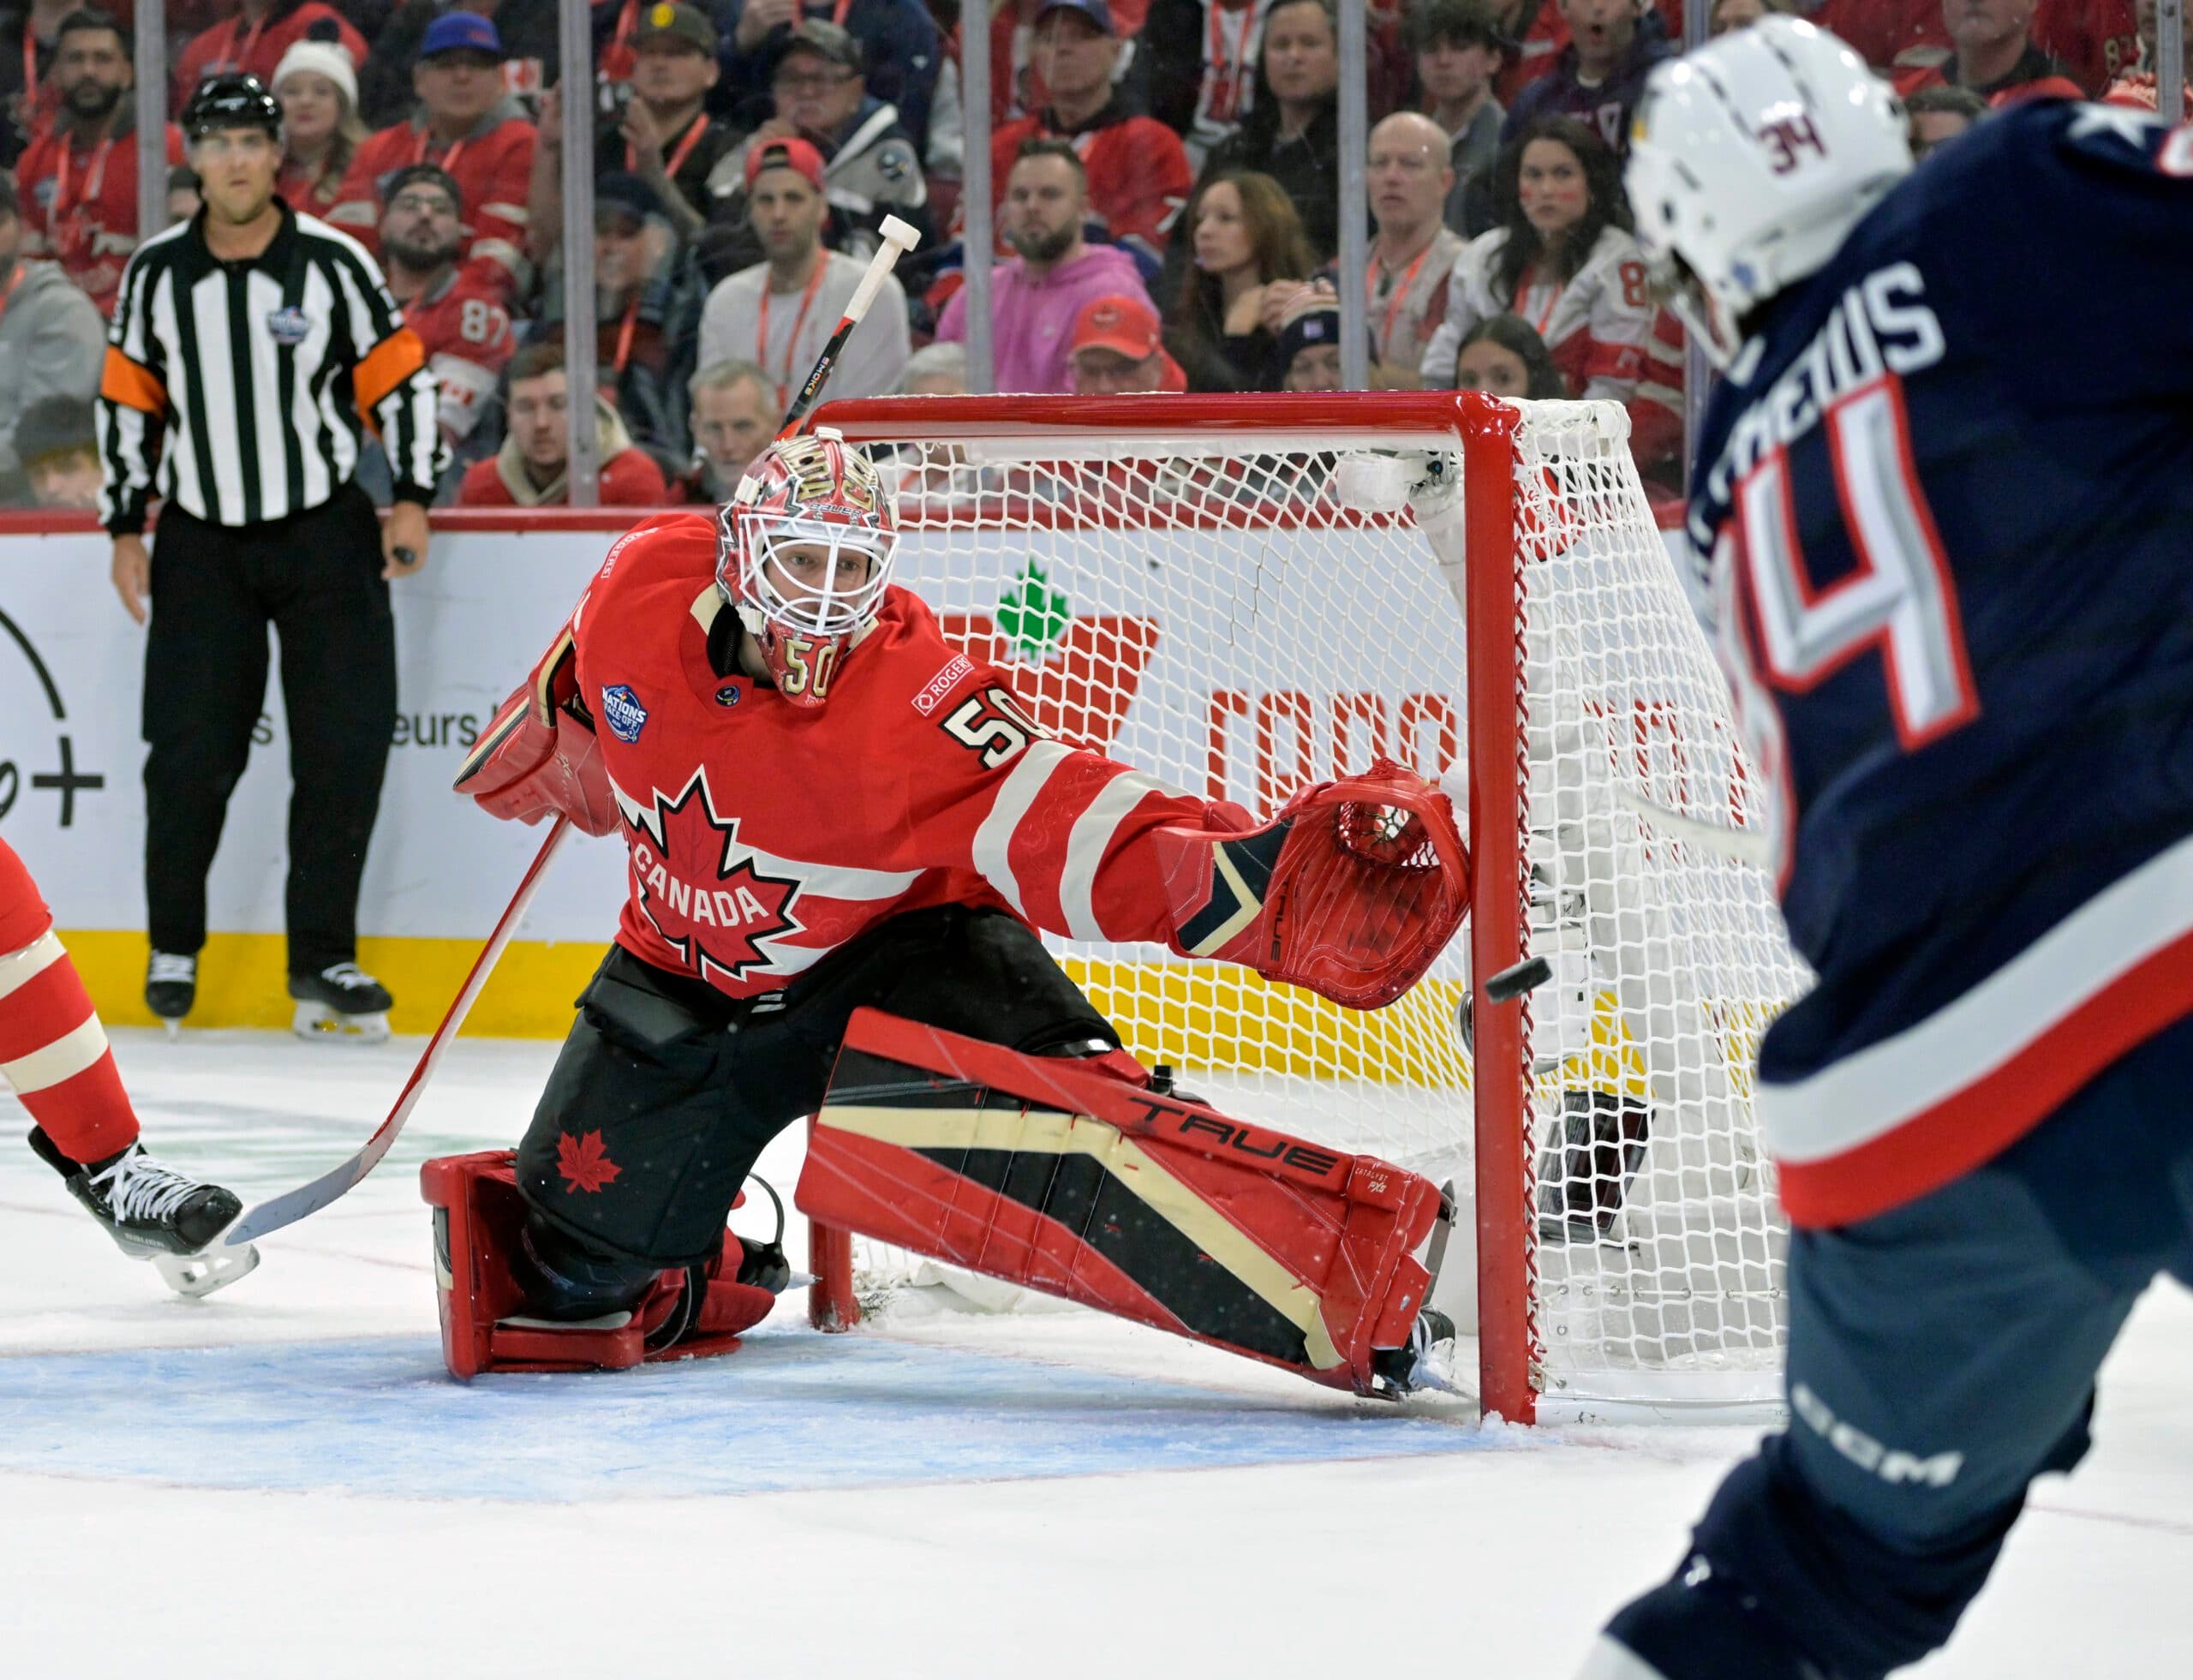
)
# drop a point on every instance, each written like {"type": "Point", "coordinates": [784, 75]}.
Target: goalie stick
{"type": "Point", "coordinates": [292, 1205]}
{"type": "Point", "coordinates": [287, 1208]}
{"type": "Point", "coordinates": [898, 238]}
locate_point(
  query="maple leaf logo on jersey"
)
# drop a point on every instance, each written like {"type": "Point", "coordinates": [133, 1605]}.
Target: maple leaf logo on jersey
{"type": "Point", "coordinates": [699, 888]}
{"type": "Point", "coordinates": [584, 1163]}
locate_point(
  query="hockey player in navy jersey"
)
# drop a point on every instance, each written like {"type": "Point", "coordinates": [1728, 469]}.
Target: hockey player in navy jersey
{"type": "Point", "coordinates": [1944, 513]}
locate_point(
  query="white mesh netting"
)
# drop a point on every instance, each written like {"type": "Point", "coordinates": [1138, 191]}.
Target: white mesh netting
{"type": "Point", "coordinates": [1238, 620]}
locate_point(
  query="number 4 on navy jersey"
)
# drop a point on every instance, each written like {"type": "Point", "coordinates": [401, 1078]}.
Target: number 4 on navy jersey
{"type": "Point", "coordinates": [1899, 598]}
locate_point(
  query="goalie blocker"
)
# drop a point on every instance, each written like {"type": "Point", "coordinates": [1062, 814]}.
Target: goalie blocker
{"type": "Point", "coordinates": [1058, 1175]}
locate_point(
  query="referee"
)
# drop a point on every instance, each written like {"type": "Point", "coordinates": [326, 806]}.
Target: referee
{"type": "Point", "coordinates": [252, 349]}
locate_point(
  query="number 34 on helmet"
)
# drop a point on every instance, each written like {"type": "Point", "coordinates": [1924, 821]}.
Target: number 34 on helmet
{"type": "Point", "coordinates": [804, 553]}
{"type": "Point", "coordinates": [1750, 162]}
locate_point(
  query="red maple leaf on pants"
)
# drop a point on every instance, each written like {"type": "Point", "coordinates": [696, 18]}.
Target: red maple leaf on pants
{"type": "Point", "coordinates": [584, 1163]}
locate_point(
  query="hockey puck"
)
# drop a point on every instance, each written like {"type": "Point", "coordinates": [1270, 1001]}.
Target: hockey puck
{"type": "Point", "coordinates": [1526, 976]}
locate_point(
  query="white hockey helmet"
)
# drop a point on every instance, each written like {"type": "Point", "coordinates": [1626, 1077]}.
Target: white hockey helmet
{"type": "Point", "coordinates": [1750, 161]}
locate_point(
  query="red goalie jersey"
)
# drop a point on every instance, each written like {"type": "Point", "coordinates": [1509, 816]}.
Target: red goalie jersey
{"type": "Point", "coordinates": [765, 835]}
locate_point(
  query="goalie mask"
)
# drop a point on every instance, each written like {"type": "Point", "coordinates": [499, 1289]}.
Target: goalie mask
{"type": "Point", "coordinates": [1750, 162]}
{"type": "Point", "coordinates": [805, 556]}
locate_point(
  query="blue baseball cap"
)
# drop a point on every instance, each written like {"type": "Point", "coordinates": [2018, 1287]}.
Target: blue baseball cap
{"type": "Point", "coordinates": [461, 31]}
{"type": "Point", "coordinates": [1097, 11]}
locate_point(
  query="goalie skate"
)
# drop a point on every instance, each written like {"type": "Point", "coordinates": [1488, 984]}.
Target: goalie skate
{"type": "Point", "coordinates": [686, 1312]}
{"type": "Point", "coordinates": [342, 1001]}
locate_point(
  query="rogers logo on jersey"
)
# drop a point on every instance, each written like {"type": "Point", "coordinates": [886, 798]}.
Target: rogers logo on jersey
{"type": "Point", "coordinates": [935, 689]}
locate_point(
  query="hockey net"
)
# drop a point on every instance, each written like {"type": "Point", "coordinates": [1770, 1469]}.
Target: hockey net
{"type": "Point", "coordinates": [1233, 596]}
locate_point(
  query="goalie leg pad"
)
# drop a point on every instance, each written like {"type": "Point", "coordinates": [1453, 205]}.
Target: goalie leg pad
{"type": "Point", "coordinates": [486, 1322]}
{"type": "Point", "coordinates": [1057, 1175]}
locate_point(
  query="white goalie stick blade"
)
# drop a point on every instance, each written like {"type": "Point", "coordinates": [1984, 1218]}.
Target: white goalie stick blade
{"type": "Point", "coordinates": [292, 1205]}
{"type": "Point", "coordinates": [1746, 846]}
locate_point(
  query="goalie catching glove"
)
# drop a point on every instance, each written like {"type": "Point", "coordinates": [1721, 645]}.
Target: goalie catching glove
{"type": "Point", "coordinates": [538, 756]}
{"type": "Point", "coordinates": [1352, 890]}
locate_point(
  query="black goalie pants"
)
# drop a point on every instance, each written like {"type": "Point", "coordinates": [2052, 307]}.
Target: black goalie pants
{"type": "Point", "coordinates": [316, 578]}
{"type": "Point", "coordinates": [666, 1092]}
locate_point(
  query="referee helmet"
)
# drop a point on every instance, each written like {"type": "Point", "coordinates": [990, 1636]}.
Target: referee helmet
{"type": "Point", "coordinates": [231, 102]}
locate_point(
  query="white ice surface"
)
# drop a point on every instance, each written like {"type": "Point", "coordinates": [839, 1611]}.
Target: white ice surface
{"type": "Point", "coordinates": [280, 1481]}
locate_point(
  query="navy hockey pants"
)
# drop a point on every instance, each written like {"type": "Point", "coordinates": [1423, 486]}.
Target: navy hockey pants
{"type": "Point", "coordinates": [1942, 1355]}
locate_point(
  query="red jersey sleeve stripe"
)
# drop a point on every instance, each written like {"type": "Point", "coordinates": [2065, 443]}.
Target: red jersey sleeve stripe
{"type": "Point", "coordinates": [1090, 847]}
{"type": "Point", "coordinates": [1042, 840]}
{"type": "Point", "coordinates": [60, 1058]}
{"type": "Point", "coordinates": [19, 968]}
{"type": "Point", "coordinates": [992, 839]}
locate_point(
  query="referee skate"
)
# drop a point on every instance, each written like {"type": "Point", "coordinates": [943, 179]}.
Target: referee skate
{"type": "Point", "coordinates": [341, 1003]}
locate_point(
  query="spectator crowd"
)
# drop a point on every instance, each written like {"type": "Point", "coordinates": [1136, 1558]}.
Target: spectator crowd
{"type": "Point", "coordinates": [1165, 179]}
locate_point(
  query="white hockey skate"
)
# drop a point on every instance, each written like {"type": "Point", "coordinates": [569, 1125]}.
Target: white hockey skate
{"type": "Point", "coordinates": [342, 1002]}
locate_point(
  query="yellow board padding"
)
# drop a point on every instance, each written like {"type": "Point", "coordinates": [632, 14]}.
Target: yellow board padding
{"type": "Point", "coordinates": [1183, 1013]}
{"type": "Point", "coordinates": [1610, 1059]}
{"type": "Point", "coordinates": [1171, 1012]}
{"type": "Point", "coordinates": [243, 981]}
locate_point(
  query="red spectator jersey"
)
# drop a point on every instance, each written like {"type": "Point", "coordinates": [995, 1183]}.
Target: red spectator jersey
{"type": "Point", "coordinates": [314, 191]}
{"type": "Point", "coordinates": [764, 836]}
{"type": "Point", "coordinates": [1883, 31]}
{"type": "Point", "coordinates": [79, 205]}
{"type": "Point", "coordinates": [1015, 88]}
{"type": "Point", "coordinates": [492, 166]}
{"type": "Point", "coordinates": [467, 335]}
{"type": "Point", "coordinates": [257, 48]}
{"type": "Point", "coordinates": [2098, 39]}
{"type": "Point", "coordinates": [1138, 174]}
{"type": "Point", "coordinates": [629, 478]}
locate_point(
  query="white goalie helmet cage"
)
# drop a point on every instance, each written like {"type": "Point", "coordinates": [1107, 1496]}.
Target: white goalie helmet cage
{"type": "Point", "coordinates": [820, 496]}
{"type": "Point", "coordinates": [1750, 161]}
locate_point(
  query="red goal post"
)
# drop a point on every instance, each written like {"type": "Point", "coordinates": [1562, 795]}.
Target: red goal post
{"type": "Point", "coordinates": [1627, 1254]}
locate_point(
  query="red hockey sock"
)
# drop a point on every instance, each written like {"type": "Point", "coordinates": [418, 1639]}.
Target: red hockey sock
{"type": "Point", "coordinates": [52, 1050]}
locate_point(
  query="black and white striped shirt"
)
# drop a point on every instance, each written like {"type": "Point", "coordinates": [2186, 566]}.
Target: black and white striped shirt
{"type": "Point", "coordinates": [243, 391]}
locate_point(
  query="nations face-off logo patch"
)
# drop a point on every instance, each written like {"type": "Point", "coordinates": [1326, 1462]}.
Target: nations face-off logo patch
{"type": "Point", "coordinates": [621, 709]}
{"type": "Point", "coordinates": [288, 326]}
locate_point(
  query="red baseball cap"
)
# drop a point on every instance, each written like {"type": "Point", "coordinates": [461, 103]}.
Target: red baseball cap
{"type": "Point", "coordinates": [1120, 323]}
{"type": "Point", "coordinates": [797, 155]}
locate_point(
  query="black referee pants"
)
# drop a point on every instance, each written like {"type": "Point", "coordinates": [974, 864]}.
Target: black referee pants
{"type": "Point", "coordinates": [316, 578]}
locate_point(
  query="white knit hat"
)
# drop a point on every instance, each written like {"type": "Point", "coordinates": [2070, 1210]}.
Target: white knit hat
{"type": "Point", "coordinates": [325, 58]}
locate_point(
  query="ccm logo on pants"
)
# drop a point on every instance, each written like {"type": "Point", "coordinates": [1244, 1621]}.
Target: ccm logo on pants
{"type": "Point", "coordinates": [1892, 1465]}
